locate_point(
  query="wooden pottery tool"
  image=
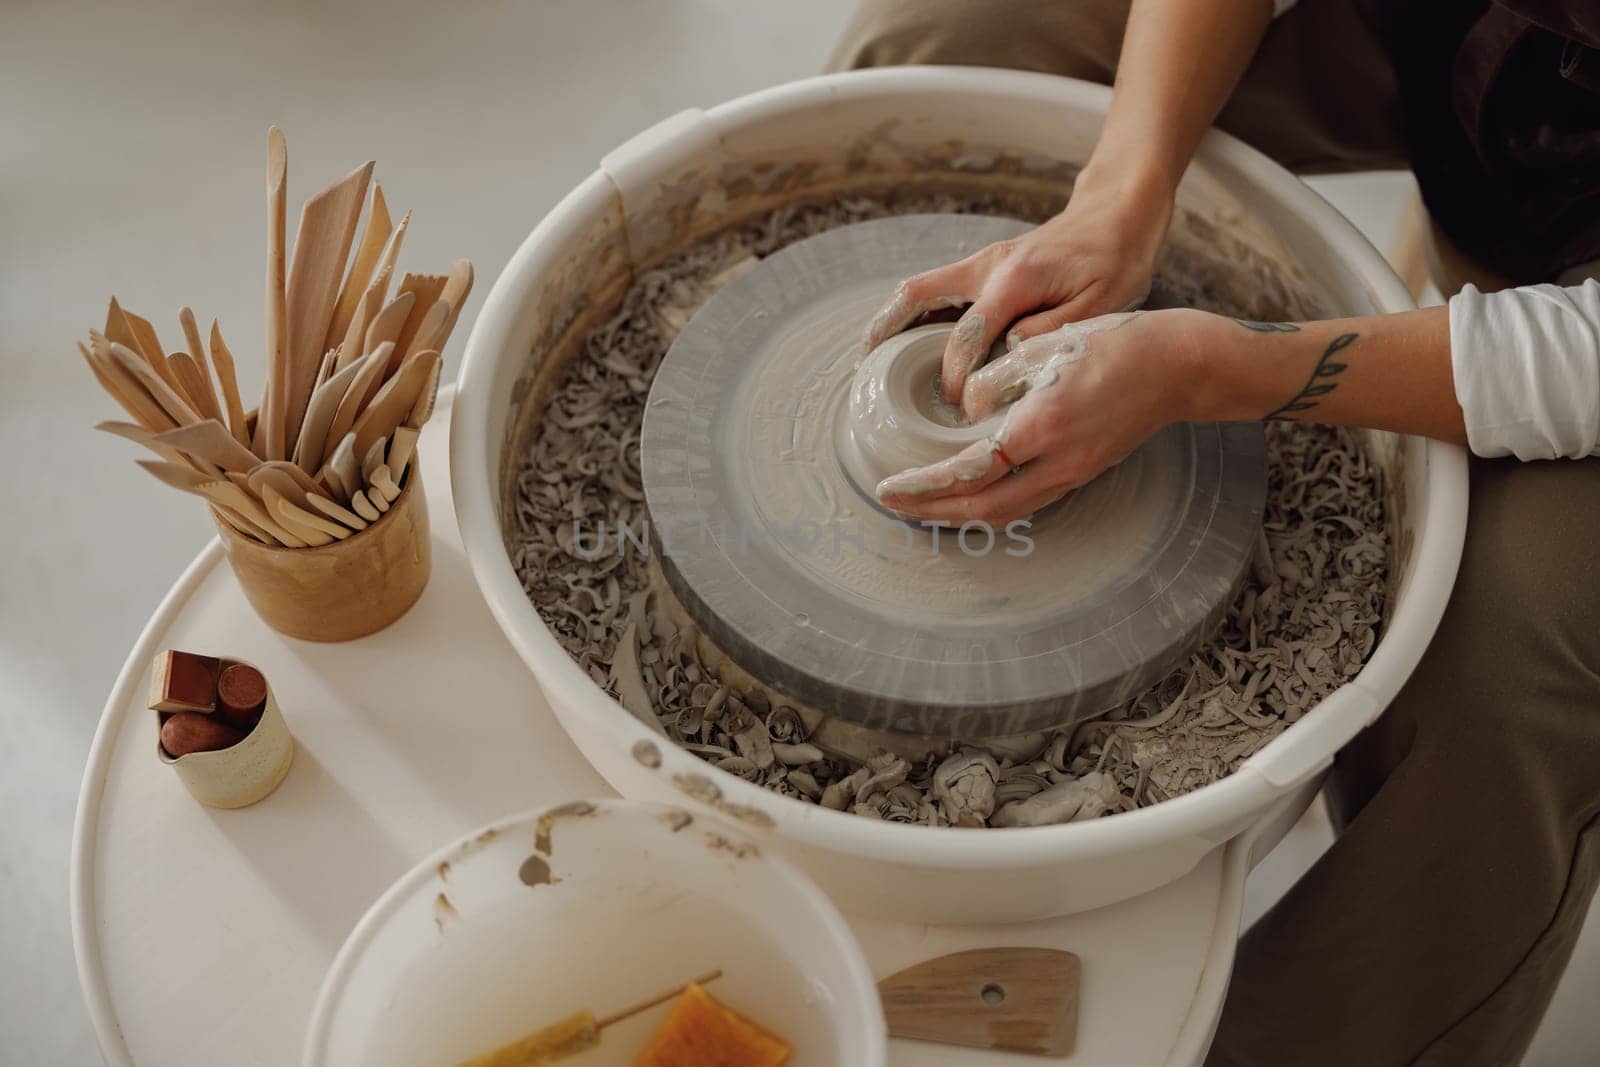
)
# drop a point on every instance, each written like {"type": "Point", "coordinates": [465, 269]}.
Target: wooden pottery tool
{"type": "Point", "coordinates": [374, 236]}
{"type": "Point", "coordinates": [366, 377]}
{"type": "Point", "coordinates": [228, 379]}
{"type": "Point", "coordinates": [383, 482]}
{"type": "Point", "coordinates": [335, 511]}
{"type": "Point", "coordinates": [137, 335]}
{"type": "Point", "coordinates": [1015, 999]}
{"type": "Point", "coordinates": [363, 507]}
{"type": "Point", "coordinates": [210, 441]}
{"type": "Point", "coordinates": [170, 401]}
{"type": "Point", "coordinates": [308, 450]}
{"type": "Point", "coordinates": [196, 388]}
{"type": "Point", "coordinates": [344, 465]}
{"type": "Point", "coordinates": [269, 440]}
{"type": "Point", "coordinates": [402, 443]}
{"type": "Point", "coordinates": [289, 517]}
{"type": "Point", "coordinates": [371, 459]}
{"type": "Point", "coordinates": [396, 399]}
{"type": "Point", "coordinates": [211, 404]}
{"type": "Point", "coordinates": [387, 323]}
{"type": "Point", "coordinates": [457, 287]}
{"type": "Point", "coordinates": [422, 411]}
{"type": "Point", "coordinates": [129, 431]}
{"type": "Point", "coordinates": [281, 475]}
{"type": "Point", "coordinates": [321, 249]}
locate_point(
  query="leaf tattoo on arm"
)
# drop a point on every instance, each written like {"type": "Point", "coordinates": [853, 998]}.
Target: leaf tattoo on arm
{"type": "Point", "coordinates": [1322, 380]}
{"type": "Point", "coordinates": [1268, 327]}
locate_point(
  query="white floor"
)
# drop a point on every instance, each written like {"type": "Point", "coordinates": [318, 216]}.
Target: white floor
{"type": "Point", "coordinates": [131, 148]}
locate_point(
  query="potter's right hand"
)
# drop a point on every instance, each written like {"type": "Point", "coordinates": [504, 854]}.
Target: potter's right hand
{"type": "Point", "coordinates": [1094, 258]}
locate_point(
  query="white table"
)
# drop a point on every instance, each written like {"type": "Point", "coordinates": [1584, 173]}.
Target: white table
{"type": "Point", "coordinates": [202, 936]}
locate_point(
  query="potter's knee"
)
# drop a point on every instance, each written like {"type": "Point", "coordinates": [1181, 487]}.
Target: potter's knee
{"type": "Point", "coordinates": [1076, 39]}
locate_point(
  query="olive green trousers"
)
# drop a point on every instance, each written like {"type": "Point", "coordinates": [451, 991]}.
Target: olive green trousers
{"type": "Point", "coordinates": [1436, 927]}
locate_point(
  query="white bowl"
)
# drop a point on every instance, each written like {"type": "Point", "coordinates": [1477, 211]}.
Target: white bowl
{"type": "Point", "coordinates": [594, 905]}
{"type": "Point", "coordinates": [898, 129]}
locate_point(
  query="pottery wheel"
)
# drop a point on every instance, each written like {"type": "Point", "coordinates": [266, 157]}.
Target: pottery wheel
{"type": "Point", "coordinates": [814, 590]}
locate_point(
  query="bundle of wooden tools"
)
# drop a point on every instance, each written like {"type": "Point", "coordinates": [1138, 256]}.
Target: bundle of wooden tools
{"type": "Point", "coordinates": [351, 375]}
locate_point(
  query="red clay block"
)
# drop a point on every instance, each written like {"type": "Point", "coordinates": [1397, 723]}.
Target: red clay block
{"type": "Point", "coordinates": [241, 696]}
{"type": "Point", "coordinates": [184, 681]}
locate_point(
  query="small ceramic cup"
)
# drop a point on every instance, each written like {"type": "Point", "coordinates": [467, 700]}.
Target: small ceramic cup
{"type": "Point", "coordinates": [343, 590]}
{"type": "Point", "coordinates": [242, 774]}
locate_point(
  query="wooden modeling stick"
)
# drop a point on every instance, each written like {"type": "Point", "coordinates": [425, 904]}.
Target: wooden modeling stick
{"type": "Point", "coordinates": [373, 239]}
{"type": "Point", "coordinates": [129, 394]}
{"type": "Point", "coordinates": [209, 404]}
{"type": "Point", "coordinates": [344, 465]}
{"type": "Point", "coordinates": [402, 445]}
{"type": "Point", "coordinates": [384, 483]}
{"type": "Point", "coordinates": [140, 436]}
{"type": "Point", "coordinates": [275, 473]}
{"type": "Point", "coordinates": [426, 289]}
{"type": "Point", "coordinates": [177, 409]}
{"type": "Point", "coordinates": [457, 286]}
{"type": "Point", "coordinates": [137, 335]}
{"type": "Point", "coordinates": [423, 409]}
{"type": "Point", "coordinates": [576, 1033]}
{"type": "Point", "coordinates": [395, 399]}
{"type": "Point", "coordinates": [321, 249]}
{"type": "Point", "coordinates": [269, 436]}
{"type": "Point", "coordinates": [363, 507]}
{"type": "Point", "coordinates": [193, 386]}
{"type": "Point", "coordinates": [210, 441]}
{"type": "Point", "coordinates": [372, 459]}
{"type": "Point", "coordinates": [289, 517]}
{"type": "Point", "coordinates": [344, 419]}
{"type": "Point", "coordinates": [387, 324]}
{"type": "Point", "coordinates": [335, 511]}
{"type": "Point", "coordinates": [228, 379]}
{"type": "Point", "coordinates": [353, 341]}
{"type": "Point", "coordinates": [309, 450]}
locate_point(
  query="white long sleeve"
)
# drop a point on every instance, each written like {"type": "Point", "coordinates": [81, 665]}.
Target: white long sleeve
{"type": "Point", "coordinates": [1526, 363]}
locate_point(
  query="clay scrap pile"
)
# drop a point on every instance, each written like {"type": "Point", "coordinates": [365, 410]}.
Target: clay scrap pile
{"type": "Point", "coordinates": [351, 374]}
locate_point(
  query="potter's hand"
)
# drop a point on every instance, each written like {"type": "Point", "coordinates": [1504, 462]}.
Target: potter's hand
{"type": "Point", "coordinates": [1090, 393]}
{"type": "Point", "coordinates": [1093, 258]}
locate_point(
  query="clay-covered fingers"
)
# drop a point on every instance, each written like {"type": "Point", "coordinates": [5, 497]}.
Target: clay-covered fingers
{"type": "Point", "coordinates": [1015, 496]}
{"type": "Point", "coordinates": [1095, 300]}
{"type": "Point", "coordinates": [974, 467]}
{"type": "Point", "coordinates": [913, 298]}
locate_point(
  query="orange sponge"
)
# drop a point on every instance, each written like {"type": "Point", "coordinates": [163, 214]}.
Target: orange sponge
{"type": "Point", "coordinates": [701, 1032]}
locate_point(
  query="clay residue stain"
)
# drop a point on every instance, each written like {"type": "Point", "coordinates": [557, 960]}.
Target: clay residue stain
{"type": "Point", "coordinates": [647, 754]}
{"type": "Point", "coordinates": [703, 789]}
{"type": "Point", "coordinates": [443, 910]}
{"type": "Point", "coordinates": [444, 870]}
{"type": "Point", "coordinates": [676, 820]}
{"type": "Point", "coordinates": [535, 871]}
{"type": "Point", "coordinates": [542, 830]}
{"type": "Point", "coordinates": [699, 787]}
{"type": "Point", "coordinates": [737, 849]}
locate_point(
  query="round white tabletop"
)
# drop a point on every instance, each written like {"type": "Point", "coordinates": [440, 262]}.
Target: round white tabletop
{"type": "Point", "coordinates": [202, 936]}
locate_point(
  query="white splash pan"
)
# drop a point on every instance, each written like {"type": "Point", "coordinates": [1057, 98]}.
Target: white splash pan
{"type": "Point", "coordinates": [904, 127]}
{"type": "Point", "coordinates": [593, 905]}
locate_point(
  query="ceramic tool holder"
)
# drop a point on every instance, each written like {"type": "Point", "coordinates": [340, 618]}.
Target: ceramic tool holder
{"type": "Point", "coordinates": [243, 773]}
{"type": "Point", "coordinates": [343, 590]}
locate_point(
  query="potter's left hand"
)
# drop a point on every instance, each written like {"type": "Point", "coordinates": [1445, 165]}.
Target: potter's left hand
{"type": "Point", "coordinates": [1090, 393]}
